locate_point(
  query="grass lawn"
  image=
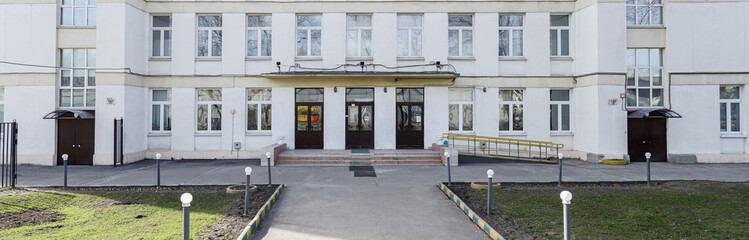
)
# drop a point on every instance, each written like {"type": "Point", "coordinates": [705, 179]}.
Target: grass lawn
{"type": "Point", "coordinates": [117, 214]}
{"type": "Point", "coordinates": [673, 210]}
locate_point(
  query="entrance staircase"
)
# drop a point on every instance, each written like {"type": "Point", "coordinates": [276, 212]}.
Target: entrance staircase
{"type": "Point", "coordinates": [472, 148]}
{"type": "Point", "coordinates": [307, 157]}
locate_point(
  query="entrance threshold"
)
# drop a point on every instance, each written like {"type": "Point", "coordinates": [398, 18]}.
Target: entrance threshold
{"type": "Point", "coordinates": [328, 157]}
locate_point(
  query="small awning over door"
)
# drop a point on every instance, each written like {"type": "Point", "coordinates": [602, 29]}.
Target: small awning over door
{"type": "Point", "coordinates": [69, 114]}
{"type": "Point", "coordinates": [653, 113]}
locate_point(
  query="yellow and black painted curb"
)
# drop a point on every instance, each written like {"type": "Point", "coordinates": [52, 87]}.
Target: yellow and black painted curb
{"type": "Point", "coordinates": [493, 234]}
{"type": "Point", "coordinates": [252, 226]}
{"type": "Point", "coordinates": [614, 162]}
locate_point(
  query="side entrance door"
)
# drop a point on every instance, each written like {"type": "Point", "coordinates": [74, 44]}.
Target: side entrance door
{"type": "Point", "coordinates": [359, 118]}
{"type": "Point", "coordinates": [647, 135]}
{"type": "Point", "coordinates": [409, 113]}
{"type": "Point", "coordinates": [75, 137]}
{"type": "Point", "coordinates": [309, 119]}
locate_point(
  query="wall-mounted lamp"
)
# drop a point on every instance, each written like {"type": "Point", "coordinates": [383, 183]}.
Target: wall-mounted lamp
{"type": "Point", "coordinates": [278, 65]}
{"type": "Point", "coordinates": [439, 65]}
{"type": "Point", "coordinates": [361, 64]}
{"type": "Point", "coordinates": [335, 89]}
{"type": "Point", "coordinates": [385, 89]}
{"type": "Point", "coordinates": [484, 89]}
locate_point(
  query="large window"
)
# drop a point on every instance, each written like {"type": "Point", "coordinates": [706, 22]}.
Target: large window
{"type": "Point", "coordinates": [259, 35]}
{"type": "Point", "coordinates": [560, 110]}
{"type": "Point", "coordinates": [511, 110]}
{"type": "Point", "coordinates": [460, 109]}
{"type": "Point", "coordinates": [560, 35]}
{"type": "Point", "coordinates": [78, 13]}
{"type": "Point", "coordinates": [77, 80]}
{"type": "Point", "coordinates": [161, 110]}
{"type": "Point", "coordinates": [644, 12]}
{"type": "Point", "coordinates": [2, 104]}
{"type": "Point", "coordinates": [409, 35]}
{"type": "Point", "coordinates": [644, 78]}
{"type": "Point", "coordinates": [460, 35]}
{"type": "Point", "coordinates": [258, 109]}
{"type": "Point", "coordinates": [510, 35]}
{"type": "Point", "coordinates": [730, 109]}
{"type": "Point", "coordinates": [209, 110]}
{"type": "Point", "coordinates": [308, 35]}
{"type": "Point", "coordinates": [209, 36]}
{"type": "Point", "coordinates": [161, 36]}
{"type": "Point", "coordinates": [358, 36]}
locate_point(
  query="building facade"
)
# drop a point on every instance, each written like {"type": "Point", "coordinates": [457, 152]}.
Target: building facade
{"type": "Point", "coordinates": [222, 79]}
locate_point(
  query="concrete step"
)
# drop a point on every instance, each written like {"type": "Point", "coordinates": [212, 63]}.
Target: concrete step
{"type": "Point", "coordinates": [346, 162]}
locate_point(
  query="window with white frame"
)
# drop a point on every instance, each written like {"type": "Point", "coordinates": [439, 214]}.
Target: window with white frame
{"type": "Point", "coordinates": [358, 35]}
{"type": "Point", "coordinates": [510, 35]}
{"type": "Point", "coordinates": [560, 35]}
{"type": "Point", "coordinates": [161, 110]}
{"type": "Point", "coordinates": [209, 35]}
{"type": "Point", "coordinates": [209, 110]}
{"type": "Point", "coordinates": [460, 35]}
{"type": "Point", "coordinates": [161, 36]}
{"type": "Point", "coordinates": [560, 110]}
{"type": "Point", "coordinates": [644, 77]}
{"type": "Point", "coordinates": [644, 12]}
{"type": "Point", "coordinates": [78, 13]}
{"type": "Point", "coordinates": [259, 35]}
{"type": "Point", "coordinates": [460, 109]}
{"type": "Point", "coordinates": [309, 35]}
{"type": "Point", "coordinates": [258, 109]}
{"type": "Point", "coordinates": [409, 35]}
{"type": "Point", "coordinates": [511, 110]}
{"type": "Point", "coordinates": [730, 109]}
{"type": "Point", "coordinates": [2, 104]}
{"type": "Point", "coordinates": [77, 78]}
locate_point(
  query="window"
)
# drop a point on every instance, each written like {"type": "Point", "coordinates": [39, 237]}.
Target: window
{"type": "Point", "coordinates": [308, 35]}
{"type": "Point", "coordinates": [460, 109]}
{"type": "Point", "coordinates": [258, 109]}
{"type": "Point", "coordinates": [460, 35]}
{"type": "Point", "coordinates": [560, 110]}
{"type": "Point", "coordinates": [161, 36]}
{"type": "Point", "coordinates": [644, 78]}
{"type": "Point", "coordinates": [78, 13]}
{"type": "Point", "coordinates": [510, 35]}
{"type": "Point", "coordinates": [359, 36]}
{"type": "Point", "coordinates": [644, 12]}
{"type": "Point", "coordinates": [259, 35]}
{"type": "Point", "coordinates": [2, 104]}
{"type": "Point", "coordinates": [161, 110]}
{"type": "Point", "coordinates": [560, 35]}
{"type": "Point", "coordinates": [511, 110]}
{"type": "Point", "coordinates": [209, 110]}
{"type": "Point", "coordinates": [77, 81]}
{"type": "Point", "coordinates": [730, 99]}
{"type": "Point", "coordinates": [209, 36]}
{"type": "Point", "coordinates": [409, 35]}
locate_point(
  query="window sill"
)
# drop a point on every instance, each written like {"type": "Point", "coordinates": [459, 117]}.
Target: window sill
{"type": "Point", "coordinates": [359, 59]}
{"type": "Point", "coordinates": [410, 59]}
{"type": "Point", "coordinates": [463, 132]}
{"type": "Point", "coordinates": [513, 58]}
{"type": "Point", "coordinates": [562, 133]}
{"type": "Point", "coordinates": [511, 133]}
{"type": "Point", "coordinates": [160, 59]}
{"type": "Point", "coordinates": [656, 26]}
{"type": "Point", "coordinates": [732, 135]}
{"type": "Point", "coordinates": [561, 58]}
{"type": "Point", "coordinates": [315, 58]}
{"type": "Point", "coordinates": [260, 58]}
{"type": "Point", "coordinates": [76, 27]}
{"type": "Point", "coordinates": [159, 134]}
{"type": "Point", "coordinates": [208, 59]}
{"type": "Point", "coordinates": [456, 58]}
{"type": "Point", "coordinates": [207, 134]}
{"type": "Point", "coordinates": [259, 133]}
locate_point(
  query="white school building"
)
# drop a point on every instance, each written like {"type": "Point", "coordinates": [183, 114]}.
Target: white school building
{"type": "Point", "coordinates": [205, 79]}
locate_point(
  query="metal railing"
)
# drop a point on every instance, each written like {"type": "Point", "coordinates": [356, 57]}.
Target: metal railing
{"type": "Point", "coordinates": [504, 148]}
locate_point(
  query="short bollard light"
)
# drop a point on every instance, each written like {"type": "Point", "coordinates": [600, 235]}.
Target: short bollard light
{"type": "Point", "coordinates": [248, 172]}
{"type": "Point", "coordinates": [158, 170]}
{"type": "Point", "coordinates": [449, 176]}
{"type": "Point", "coordinates": [566, 196]}
{"type": "Point", "coordinates": [186, 198]}
{"type": "Point", "coordinates": [560, 156]}
{"type": "Point", "coordinates": [647, 158]}
{"type": "Point", "coordinates": [490, 175]}
{"type": "Point", "coordinates": [267, 155]}
{"type": "Point", "coordinates": [65, 174]}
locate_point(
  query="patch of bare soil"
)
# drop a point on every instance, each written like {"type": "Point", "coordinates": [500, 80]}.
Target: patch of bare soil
{"type": "Point", "coordinates": [28, 218]}
{"type": "Point", "coordinates": [508, 228]}
{"type": "Point", "coordinates": [232, 225]}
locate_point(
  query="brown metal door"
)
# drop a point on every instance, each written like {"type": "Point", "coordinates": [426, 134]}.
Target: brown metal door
{"type": "Point", "coordinates": [75, 137]}
{"type": "Point", "coordinates": [66, 141]}
{"type": "Point", "coordinates": [309, 126]}
{"type": "Point", "coordinates": [360, 125]}
{"type": "Point", "coordinates": [409, 129]}
{"type": "Point", "coordinates": [647, 135]}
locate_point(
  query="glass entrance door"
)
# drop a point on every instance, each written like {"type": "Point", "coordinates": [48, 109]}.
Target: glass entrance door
{"type": "Point", "coordinates": [360, 118]}
{"type": "Point", "coordinates": [409, 113]}
{"type": "Point", "coordinates": [309, 119]}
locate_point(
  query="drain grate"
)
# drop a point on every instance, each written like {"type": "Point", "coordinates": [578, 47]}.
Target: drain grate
{"type": "Point", "coordinates": [361, 168]}
{"type": "Point", "coordinates": [365, 174]}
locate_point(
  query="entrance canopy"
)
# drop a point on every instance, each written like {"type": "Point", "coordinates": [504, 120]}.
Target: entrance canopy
{"type": "Point", "coordinates": [69, 114]}
{"type": "Point", "coordinates": [653, 113]}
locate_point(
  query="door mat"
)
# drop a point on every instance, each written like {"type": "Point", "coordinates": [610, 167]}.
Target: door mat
{"type": "Point", "coordinates": [365, 174]}
{"type": "Point", "coordinates": [359, 150]}
{"type": "Point", "coordinates": [361, 168]}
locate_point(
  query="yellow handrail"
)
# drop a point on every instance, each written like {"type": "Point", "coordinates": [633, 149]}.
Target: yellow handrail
{"type": "Point", "coordinates": [523, 142]}
{"type": "Point", "coordinates": [516, 149]}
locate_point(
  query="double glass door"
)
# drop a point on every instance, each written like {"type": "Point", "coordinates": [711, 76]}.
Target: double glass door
{"type": "Point", "coordinates": [360, 118]}
{"type": "Point", "coordinates": [309, 119]}
{"type": "Point", "coordinates": [409, 113]}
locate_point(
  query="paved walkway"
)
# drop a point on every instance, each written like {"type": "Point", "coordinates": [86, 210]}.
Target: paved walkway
{"type": "Point", "coordinates": [402, 202]}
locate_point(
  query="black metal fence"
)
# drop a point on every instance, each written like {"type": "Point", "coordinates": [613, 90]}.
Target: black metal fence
{"type": "Point", "coordinates": [118, 142]}
{"type": "Point", "coordinates": [8, 154]}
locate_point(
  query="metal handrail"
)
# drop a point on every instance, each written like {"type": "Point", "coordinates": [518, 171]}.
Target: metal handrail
{"type": "Point", "coordinates": [503, 148]}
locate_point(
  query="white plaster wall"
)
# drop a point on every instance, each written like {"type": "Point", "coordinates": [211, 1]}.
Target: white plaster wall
{"type": "Point", "coordinates": [183, 31]}
{"type": "Point", "coordinates": [333, 40]}
{"type": "Point", "coordinates": [536, 114]}
{"type": "Point", "coordinates": [283, 115]}
{"type": "Point", "coordinates": [159, 142]}
{"type": "Point", "coordinates": [586, 39]}
{"type": "Point", "coordinates": [183, 119]}
{"type": "Point", "coordinates": [334, 119]}
{"type": "Point", "coordinates": [384, 40]}
{"type": "Point", "coordinates": [255, 142]}
{"type": "Point", "coordinates": [207, 142]}
{"type": "Point", "coordinates": [135, 30]}
{"type": "Point", "coordinates": [536, 43]}
{"type": "Point", "coordinates": [233, 125]}
{"type": "Point", "coordinates": [486, 49]}
{"type": "Point", "coordinates": [111, 38]}
{"type": "Point", "coordinates": [698, 131]}
{"type": "Point", "coordinates": [284, 40]}
{"type": "Point", "coordinates": [486, 111]}
{"type": "Point", "coordinates": [28, 36]}
{"type": "Point", "coordinates": [435, 114]}
{"type": "Point", "coordinates": [585, 135]}
{"type": "Point", "coordinates": [234, 35]}
{"type": "Point", "coordinates": [384, 118]}
{"type": "Point", "coordinates": [136, 119]}
{"type": "Point", "coordinates": [611, 37]}
{"type": "Point", "coordinates": [36, 136]}
{"type": "Point", "coordinates": [434, 40]}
